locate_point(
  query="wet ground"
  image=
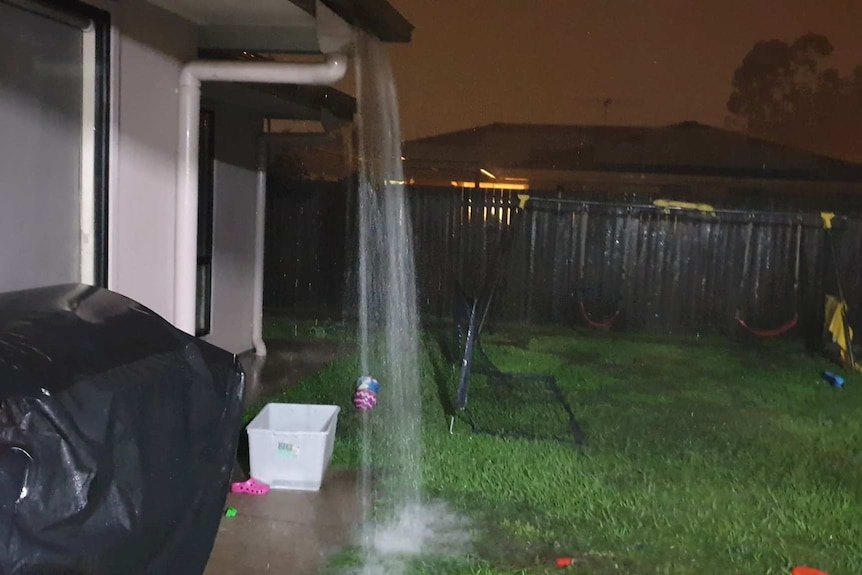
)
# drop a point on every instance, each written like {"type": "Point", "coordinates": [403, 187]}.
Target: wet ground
{"type": "Point", "coordinates": [286, 532]}
{"type": "Point", "coordinates": [286, 363]}
{"type": "Point", "coordinates": [289, 532]}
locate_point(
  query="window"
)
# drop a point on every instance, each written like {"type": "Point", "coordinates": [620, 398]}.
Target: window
{"type": "Point", "coordinates": [206, 171]}
{"type": "Point", "coordinates": [54, 98]}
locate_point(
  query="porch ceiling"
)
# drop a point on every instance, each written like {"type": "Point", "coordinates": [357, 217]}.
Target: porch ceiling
{"type": "Point", "coordinates": [316, 103]}
{"type": "Point", "coordinates": [239, 13]}
{"type": "Point", "coordinates": [292, 26]}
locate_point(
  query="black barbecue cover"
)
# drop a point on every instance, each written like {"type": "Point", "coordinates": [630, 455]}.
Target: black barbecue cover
{"type": "Point", "coordinates": [118, 434]}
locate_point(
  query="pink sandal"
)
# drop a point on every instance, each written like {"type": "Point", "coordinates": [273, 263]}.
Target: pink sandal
{"type": "Point", "coordinates": [250, 487]}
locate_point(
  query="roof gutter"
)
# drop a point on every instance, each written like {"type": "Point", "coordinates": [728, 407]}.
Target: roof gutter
{"type": "Point", "coordinates": [377, 17]}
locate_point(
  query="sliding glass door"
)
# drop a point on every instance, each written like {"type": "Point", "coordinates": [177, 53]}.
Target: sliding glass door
{"type": "Point", "coordinates": [53, 141]}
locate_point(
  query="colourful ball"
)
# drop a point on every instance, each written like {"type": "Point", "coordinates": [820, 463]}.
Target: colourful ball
{"type": "Point", "coordinates": [364, 399]}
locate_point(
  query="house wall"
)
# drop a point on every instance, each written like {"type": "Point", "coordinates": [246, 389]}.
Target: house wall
{"type": "Point", "coordinates": [235, 181]}
{"type": "Point", "coordinates": [151, 46]}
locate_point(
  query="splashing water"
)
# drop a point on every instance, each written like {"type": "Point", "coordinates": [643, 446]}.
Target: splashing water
{"type": "Point", "coordinates": [389, 337]}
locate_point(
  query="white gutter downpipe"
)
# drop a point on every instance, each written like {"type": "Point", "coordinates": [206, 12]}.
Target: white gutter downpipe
{"type": "Point", "coordinates": [193, 73]}
{"type": "Point", "coordinates": [259, 241]}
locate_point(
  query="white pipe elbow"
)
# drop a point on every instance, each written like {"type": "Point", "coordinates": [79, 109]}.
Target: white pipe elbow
{"type": "Point", "coordinates": [327, 72]}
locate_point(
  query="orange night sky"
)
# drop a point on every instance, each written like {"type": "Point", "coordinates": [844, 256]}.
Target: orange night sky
{"type": "Point", "coordinates": [474, 62]}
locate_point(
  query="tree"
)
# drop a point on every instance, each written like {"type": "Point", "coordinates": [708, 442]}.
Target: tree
{"type": "Point", "coordinates": [785, 92]}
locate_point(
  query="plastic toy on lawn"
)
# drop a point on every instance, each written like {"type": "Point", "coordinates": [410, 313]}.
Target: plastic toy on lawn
{"type": "Point", "coordinates": [365, 396]}
{"type": "Point", "coordinates": [834, 380]}
{"type": "Point", "coordinates": [805, 570]}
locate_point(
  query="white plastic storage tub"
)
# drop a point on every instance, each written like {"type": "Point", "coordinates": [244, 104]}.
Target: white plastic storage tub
{"type": "Point", "coordinates": [290, 445]}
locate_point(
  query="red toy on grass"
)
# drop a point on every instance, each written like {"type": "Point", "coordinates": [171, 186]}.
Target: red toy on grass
{"type": "Point", "coordinates": [803, 570]}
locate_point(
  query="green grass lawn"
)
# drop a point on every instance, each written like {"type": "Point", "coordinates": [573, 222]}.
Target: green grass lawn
{"type": "Point", "coordinates": [281, 326]}
{"type": "Point", "coordinates": [707, 456]}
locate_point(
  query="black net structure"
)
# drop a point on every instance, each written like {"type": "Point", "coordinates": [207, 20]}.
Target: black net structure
{"type": "Point", "coordinates": [506, 404]}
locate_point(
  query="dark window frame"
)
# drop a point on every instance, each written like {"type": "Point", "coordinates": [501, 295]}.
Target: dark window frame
{"type": "Point", "coordinates": [206, 205]}
{"type": "Point", "coordinates": [102, 21]}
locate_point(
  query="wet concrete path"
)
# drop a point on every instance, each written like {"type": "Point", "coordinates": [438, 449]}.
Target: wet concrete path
{"type": "Point", "coordinates": [287, 532]}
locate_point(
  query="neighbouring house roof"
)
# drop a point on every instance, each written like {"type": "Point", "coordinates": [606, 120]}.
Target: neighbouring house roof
{"type": "Point", "coordinates": [687, 148]}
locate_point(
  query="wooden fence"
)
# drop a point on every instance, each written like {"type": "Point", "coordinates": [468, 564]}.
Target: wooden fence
{"type": "Point", "coordinates": [576, 262]}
